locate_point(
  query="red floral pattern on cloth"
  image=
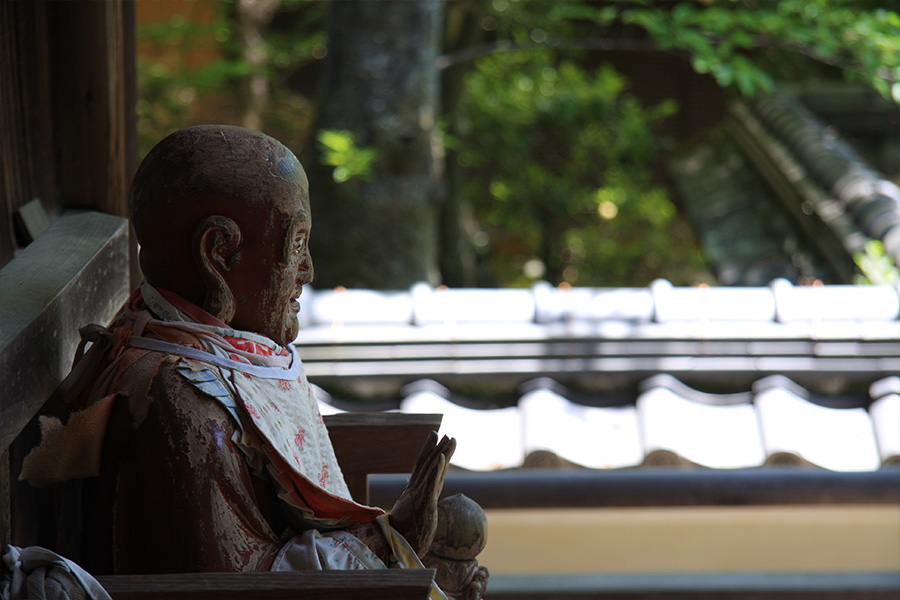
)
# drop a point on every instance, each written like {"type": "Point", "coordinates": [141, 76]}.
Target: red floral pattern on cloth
{"type": "Point", "coordinates": [288, 419]}
{"type": "Point", "coordinates": [300, 438]}
{"type": "Point", "coordinates": [252, 411]}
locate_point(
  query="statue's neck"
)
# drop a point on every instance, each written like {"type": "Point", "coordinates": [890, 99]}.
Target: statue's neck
{"type": "Point", "coordinates": [169, 306]}
{"type": "Point", "coordinates": [191, 310]}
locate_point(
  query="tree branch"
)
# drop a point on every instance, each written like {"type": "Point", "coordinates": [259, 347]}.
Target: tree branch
{"type": "Point", "coordinates": [471, 53]}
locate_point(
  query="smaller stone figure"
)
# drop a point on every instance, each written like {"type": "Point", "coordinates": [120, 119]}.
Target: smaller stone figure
{"type": "Point", "coordinates": [461, 535]}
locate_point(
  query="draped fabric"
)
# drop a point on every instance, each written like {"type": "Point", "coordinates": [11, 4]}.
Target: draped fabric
{"type": "Point", "coordinates": [193, 424]}
{"type": "Point", "coordinates": [37, 573]}
{"type": "Point", "coordinates": [259, 383]}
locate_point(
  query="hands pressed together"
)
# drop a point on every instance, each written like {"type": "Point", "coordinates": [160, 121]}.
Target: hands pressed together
{"type": "Point", "coordinates": [414, 514]}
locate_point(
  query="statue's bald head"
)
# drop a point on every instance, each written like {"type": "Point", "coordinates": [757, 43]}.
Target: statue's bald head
{"type": "Point", "coordinates": [230, 173]}
{"type": "Point", "coordinates": [208, 169]}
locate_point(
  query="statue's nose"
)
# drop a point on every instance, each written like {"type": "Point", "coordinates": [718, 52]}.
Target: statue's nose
{"type": "Point", "coordinates": [306, 269]}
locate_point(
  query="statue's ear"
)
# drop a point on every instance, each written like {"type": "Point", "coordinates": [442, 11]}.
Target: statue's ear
{"type": "Point", "coordinates": [217, 242]}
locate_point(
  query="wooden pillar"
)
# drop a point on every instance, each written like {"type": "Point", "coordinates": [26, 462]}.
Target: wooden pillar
{"type": "Point", "coordinates": [67, 107]}
{"type": "Point", "coordinates": [26, 153]}
{"type": "Point", "coordinates": [94, 102]}
{"type": "Point", "coordinates": [69, 138]}
{"type": "Point", "coordinates": [5, 521]}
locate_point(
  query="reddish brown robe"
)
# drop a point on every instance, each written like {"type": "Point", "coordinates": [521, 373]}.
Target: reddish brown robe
{"type": "Point", "coordinates": [174, 492]}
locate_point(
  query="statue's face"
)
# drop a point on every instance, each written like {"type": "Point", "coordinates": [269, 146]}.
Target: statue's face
{"type": "Point", "coordinates": [275, 263]}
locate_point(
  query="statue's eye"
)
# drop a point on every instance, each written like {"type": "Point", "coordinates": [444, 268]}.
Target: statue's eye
{"type": "Point", "coordinates": [299, 242]}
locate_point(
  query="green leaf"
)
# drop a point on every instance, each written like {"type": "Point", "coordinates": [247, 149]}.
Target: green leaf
{"type": "Point", "coordinates": [340, 151]}
{"type": "Point", "coordinates": [338, 141]}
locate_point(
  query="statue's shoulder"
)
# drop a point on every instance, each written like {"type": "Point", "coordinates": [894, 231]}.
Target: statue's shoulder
{"type": "Point", "coordinates": [169, 383]}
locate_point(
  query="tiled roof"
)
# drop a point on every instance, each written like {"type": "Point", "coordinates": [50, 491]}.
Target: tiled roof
{"type": "Point", "coordinates": [579, 335]}
{"type": "Point", "coordinates": [351, 311]}
{"type": "Point", "coordinates": [611, 378]}
{"type": "Point", "coordinates": [872, 201]}
{"type": "Point", "coordinates": [670, 424]}
{"type": "Point", "coordinates": [774, 192]}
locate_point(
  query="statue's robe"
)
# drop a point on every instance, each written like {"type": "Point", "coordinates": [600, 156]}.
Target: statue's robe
{"type": "Point", "coordinates": [204, 450]}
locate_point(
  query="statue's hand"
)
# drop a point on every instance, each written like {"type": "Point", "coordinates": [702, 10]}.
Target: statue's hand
{"type": "Point", "coordinates": [414, 514]}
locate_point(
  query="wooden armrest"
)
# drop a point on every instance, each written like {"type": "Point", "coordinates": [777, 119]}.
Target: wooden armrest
{"type": "Point", "coordinates": [76, 272]}
{"type": "Point", "coordinates": [411, 584]}
{"type": "Point", "coordinates": [367, 443]}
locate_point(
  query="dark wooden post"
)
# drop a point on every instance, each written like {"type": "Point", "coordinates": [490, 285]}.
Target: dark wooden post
{"type": "Point", "coordinates": [26, 154]}
{"type": "Point", "coordinates": [68, 130]}
{"type": "Point", "coordinates": [93, 102]}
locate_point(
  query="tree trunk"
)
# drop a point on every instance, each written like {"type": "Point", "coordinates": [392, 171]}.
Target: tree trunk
{"type": "Point", "coordinates": [457, 255]}
{"type": "Point", "coordinates": [252, 17]}
{"type": "Point", "coordinates": [380, 84]}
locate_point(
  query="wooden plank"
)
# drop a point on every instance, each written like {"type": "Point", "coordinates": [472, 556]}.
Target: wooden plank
{"type": "Point", "coordinates": [31, 221]}
{"type": "Point", "coordinates": [128, 127]}
{"type": "Point", "coordinates": [74, 274]}
{"type": "Point", "coordinates": [27, 168]}
{"type": "Point", "coordinates": [690, 586]}
{"type": "Point", "coordinates": [92, 99]}
{"type": "Point", "coordinates": [533, 488]}
{"type": "Point", "coordinates": [587, 348]}
{"type": "Point", "coordinates": [5, 521]}
{"type": "Point", "coordinates": [315, 585]}
{"type": "Point", "coordinates": [447, 371]}
{"type": "Point", "coordinates": [367, 443]}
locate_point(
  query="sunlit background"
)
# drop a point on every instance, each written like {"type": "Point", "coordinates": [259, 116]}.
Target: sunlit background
{"type": "Point", "coordinates": [523, 144]}
{"type": "Point", "coordinates": [553, 122]}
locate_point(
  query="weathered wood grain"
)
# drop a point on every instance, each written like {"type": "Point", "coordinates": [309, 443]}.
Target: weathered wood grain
{"type": "Point", "coordinates": [74, 274]}
{"type": "Point", "coordinates": [27, 168]}
{"type": "Point", "coordinates": [5, 520]}
{"type": "Point", "coordinates": [93, 111]}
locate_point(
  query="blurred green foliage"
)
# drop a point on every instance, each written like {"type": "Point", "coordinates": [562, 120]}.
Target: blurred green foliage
{"type": "Point", "coordinates": [559, 158]}
{"type": "Point", "coordinates": [862, 38]}
{"type": "Point", "coordinates": [167, 87]}
{"type": "Point", "coordinates": [173, 93]}
{"type": "Point", "coordinates": [339, 150]}
{"type": "Point", "coordinates": [559, 169]}
{"type": "Point", "coordinates": [744, 44]}
{"type": "Point", "coordinates": [876, 266]}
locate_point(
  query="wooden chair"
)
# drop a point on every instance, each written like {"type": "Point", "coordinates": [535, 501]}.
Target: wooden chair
{"type": "Point", "coordinates": [75, 273]}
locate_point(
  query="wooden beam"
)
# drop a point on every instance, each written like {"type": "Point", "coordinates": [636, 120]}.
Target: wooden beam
{"type": "Point", "coordinates": [533, 488]}
{"type": "Point", "coordinates": [698, 586]}
{"type": "Point", "coordinates": [74, 274]}
{"type": "Point", "coordinates": [413, 584]}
